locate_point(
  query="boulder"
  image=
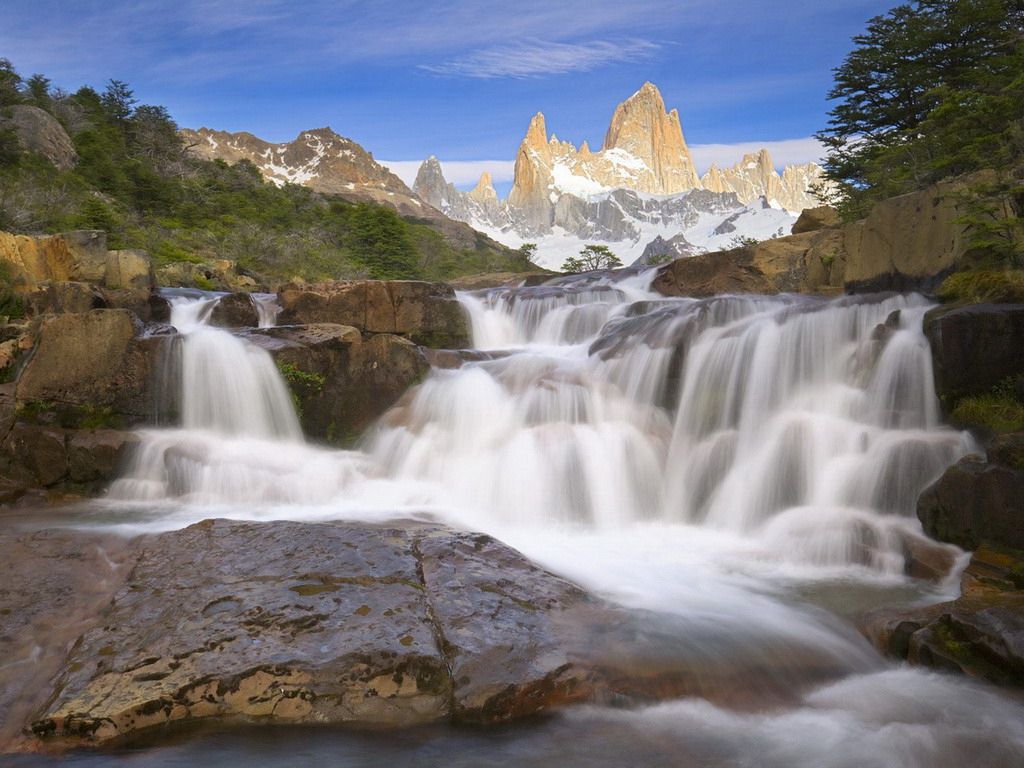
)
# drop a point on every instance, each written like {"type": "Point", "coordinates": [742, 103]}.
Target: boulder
{"type": "Point", "coordinates": [981, 633]}
{"type": "Point", "coordinates": [974, 348]}
{"type": "Point", "coordinates": [55, 298]}
{"type": "Point", "coordinates": [813, 219]}
{"type": "Point", "coordinates": [219, 275]}
{"type": "Point", "coordinates": [236, 310]}
{"type": "Point", "coordinates": [975, 502]}
{"type": "Point", "coordinates": [804, 262]}
{"type": "Point", "coordinates": [40, 132]}
{"type": "Point", "coordinates": [40, 450]}
{"type": "Point", "coordinates": [96, 456]}
{"type": "Point", "coordinates": [342, 382]}
{"type": "Point", "coordinates": [94, 363]}
{"type": "Point", "coordinates": [128, 269]}
{"type": "Point", "coordinates": [426, 313]}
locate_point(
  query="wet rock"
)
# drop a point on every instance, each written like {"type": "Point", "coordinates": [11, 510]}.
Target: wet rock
{"type": "Point", "coordinates": [236, 310]}
{"type": "Point", "coordinates": [56, 585]}
{"type": "Point", "coordinates": [426, 313]}
{"type": "Point", "coordinates": [456, 358]}
{"type": "Point", "coordinates": [501, 280]}
{"type": "Point", "coordinates": [979, 634]}
{"type": "Point", "coordinates": [342, 382]}
{"type": "Point", "coordinates": [97, 455]}
{"type": "Point", "coordinates": [40, 450]}
{"type": "Point", "coordinates": [974, 348]}
{"type": "Point", "coordinates": [974, 502]}
{"type": "Point", "coordinates": [286, 621]}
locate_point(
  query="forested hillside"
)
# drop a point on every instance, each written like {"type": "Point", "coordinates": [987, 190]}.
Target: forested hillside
{"type": "Point", "coordinates": [127, 171]}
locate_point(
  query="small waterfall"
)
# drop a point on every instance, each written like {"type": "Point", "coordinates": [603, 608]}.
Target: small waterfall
{"type": "Point", "coordinates": [232, 401]}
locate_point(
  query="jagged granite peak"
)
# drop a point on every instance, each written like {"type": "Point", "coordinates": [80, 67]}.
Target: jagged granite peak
{"type": "Point", "coordinates": [755, 176]}
{"type": "Point", "coordinates": [641, 127]}
{"type": "Point", "coordinates": [484, 190]}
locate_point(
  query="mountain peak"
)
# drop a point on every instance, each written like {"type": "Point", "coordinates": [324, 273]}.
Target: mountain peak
{"type": "Point", "coordinates": [641, 127]}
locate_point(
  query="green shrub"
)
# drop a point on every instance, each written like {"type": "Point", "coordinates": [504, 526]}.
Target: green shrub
{"type": "Point", "coordinates": [1000, 410]}
{"type": "Point", "coordinates": [983, 285]}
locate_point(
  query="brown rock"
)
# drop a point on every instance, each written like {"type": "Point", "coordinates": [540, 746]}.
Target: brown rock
{"type": "Point", "coordinates": [78, 256]}
{"type": "Point", "coordinates": [236, 310]}
{"type": "Point", "coordinates": [98, 455]}
{"type": "Point", "coordinates": [41, 450]}
{"type": "Point", "coordinates": [980, 634]}
{"type": "Point", "coordinates": [94, 361]}
{"type": "Point", "coordinates": [342, 382]}
{"type": "Point", "coordinates": [55, 298]}
{"type": "Point", "coordinates": [128, 269]}
{"type": "Point", "coordinates": [813, 219]}
{"type": "Point", "coordinates": [427, 313]}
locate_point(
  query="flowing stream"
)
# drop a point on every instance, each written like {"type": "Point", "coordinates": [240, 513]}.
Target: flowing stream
{"type": "Point", "coordinates": [749, 464]}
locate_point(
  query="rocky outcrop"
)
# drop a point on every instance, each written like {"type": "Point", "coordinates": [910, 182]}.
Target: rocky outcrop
{"type": "Point", "coordinates": [348, 623]}
{"type": "Point", "coordinates": [80, 256]}
{"type": "Point", "coordinates": [800, 263]}
{"type": "Point", "coordinates": [975, 502]}
{"type": "Point", "coordinates": [93, 361]}
{"type": "Point", "coordinates": [426, 313]}
{"type": "Point", "coordinates": [906, 243]}
{"type": "Point", "coordinates": [341, 382]}
{"type": "Point", "coordinates": [217, 274]}
{"type": "Point", "coordinates": [813, 219]}
{"type": "Point", "coordinates": [981, 633]}
{"type": "Point", "coordinates": [974, 348]}
{"type": "Point", "coordinates": [40, 132]}
{"type": "Point", "coordinates": [236, 310]}
{"type": "Point", "coordinates": [755, 176]}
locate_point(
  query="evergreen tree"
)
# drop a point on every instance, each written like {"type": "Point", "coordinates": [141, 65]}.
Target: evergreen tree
{"type": "Point", "coordinates": [934, 88]}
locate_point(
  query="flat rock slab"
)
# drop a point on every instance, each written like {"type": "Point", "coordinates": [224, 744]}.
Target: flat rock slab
{"type": "Point", "coordinates": [372, 625]}
{"type": "Point", "coordinates": [55, 586]}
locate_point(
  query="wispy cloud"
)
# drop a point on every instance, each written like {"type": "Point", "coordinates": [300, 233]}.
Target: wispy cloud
{"type": "Point", "coordinates": [537, 58]}
{"type": "Point", "coordinates": [461, 173]}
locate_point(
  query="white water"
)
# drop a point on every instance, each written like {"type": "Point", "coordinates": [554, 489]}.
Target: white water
{"type": "Point", "coordinates": [730, 461]}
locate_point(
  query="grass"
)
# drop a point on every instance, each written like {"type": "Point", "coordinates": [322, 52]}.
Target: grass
{"type": "Point", "coordinates": [984, 285]}
{"type": "Point", "coordinates": [1000, 410]}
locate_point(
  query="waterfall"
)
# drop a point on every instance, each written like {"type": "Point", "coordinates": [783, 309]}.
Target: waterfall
{"type": "Point", "coordinates": [806, 425]}
{"type": "Point", "coordinates": [232, 400]}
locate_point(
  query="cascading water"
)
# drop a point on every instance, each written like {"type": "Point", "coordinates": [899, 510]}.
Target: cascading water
{"type": "Point", "coordinates": [735, 461]}
{"type": "Point", "coordinates": [230, 394]}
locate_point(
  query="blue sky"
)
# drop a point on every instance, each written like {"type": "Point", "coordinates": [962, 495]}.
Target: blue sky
{"type": "Point", "coordinates": [456, 79]}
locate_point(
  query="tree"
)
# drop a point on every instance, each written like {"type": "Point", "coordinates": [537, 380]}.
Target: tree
{"type": "Point", "coordinates": [527, 251]}
{"type": "Point", "coordinates": [118, 100]}
{"type": "Point", "coordinates": [591, 257]}
{"type": "Point", "coordinates": [37, 89]}
{"type": "Point", "coordinates": [932, 89]}
{"type": "Point", "coordinates": [10, 84]}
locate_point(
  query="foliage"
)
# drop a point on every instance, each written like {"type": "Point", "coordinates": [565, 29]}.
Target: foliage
{"type": "Point", "coordinates": [933, 89]}
{"type": "Point", "coordinates": [12, 305]}
{"type": "Point", "coordinates": [1000, 410]}
{"type": "Point", "coordinates": [983, 285]}
{"type": "Point", "coordinates": [742, 241]}
{"type": "Point", "coordinates": [592, 257]}
{"type": "Point", "coordinates": [136, 180]}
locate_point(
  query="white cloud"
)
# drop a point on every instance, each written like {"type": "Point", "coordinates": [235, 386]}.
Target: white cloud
{"type": "Point", "coordinates": [538, 58]}
{"type": "Point", "coordinates": [784, 152]}
{"type": "Point", "coordinates": [461, 173]}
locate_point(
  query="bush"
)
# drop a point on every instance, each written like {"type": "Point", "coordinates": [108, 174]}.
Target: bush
{"type": "Point", "coordinates": [1000, 410]}
{"type": "Point", "coordinates": [983, 285]}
